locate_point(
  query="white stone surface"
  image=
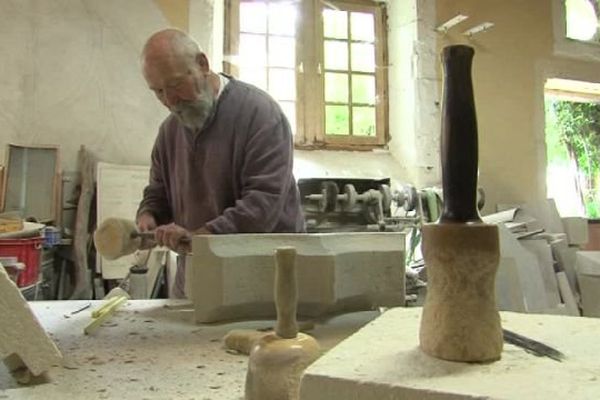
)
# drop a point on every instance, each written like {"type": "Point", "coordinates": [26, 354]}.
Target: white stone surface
{"type": "Point", "coordinates": [576, 229]}
{"type": "Point", "coordinates": [23, 342]}
{"type": "Point", "coordinates": [567, 294]}
{"type": "Point", "coordinates": [150, 349]}
{"type": "Point", "coordinates": [382, 361]}
{"type": "Point", "coordinates": [231, 276]}
{"type": "Point", "coordinates": [528, 273]}
{"type": "Point", "coordinates": [545, 262]}
{"type": "Point", "coordinates": [588, 276]}
{"type": "Point", "coordinates": [509, 293]}
{"type": "Point", "coordinates": [566, 257]}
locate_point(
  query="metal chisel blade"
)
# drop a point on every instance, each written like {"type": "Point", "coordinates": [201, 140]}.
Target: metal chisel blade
{"type": "Point", "coordinates": [532, 346]}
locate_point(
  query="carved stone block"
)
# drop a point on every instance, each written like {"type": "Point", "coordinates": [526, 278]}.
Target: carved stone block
{"type": "Point", "coordinates": [23, 341]}
{"type": "Point", "coordinates": [231, 276]}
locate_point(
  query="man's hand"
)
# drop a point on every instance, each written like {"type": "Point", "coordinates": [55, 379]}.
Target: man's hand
{"type": "Point", "coordinates": [146, 222]}
{"type": "Point", "coordinates": [174, 237]}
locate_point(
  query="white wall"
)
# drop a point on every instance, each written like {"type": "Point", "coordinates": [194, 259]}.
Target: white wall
{"type": "Point", "coordinates": [413, 90]}
{"type": "Point", "coordinates": [70, 76]}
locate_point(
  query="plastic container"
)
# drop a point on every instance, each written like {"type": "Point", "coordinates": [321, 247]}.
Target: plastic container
{"type": "Point", "coordinates": [14, 270]}
{"type": "Point", "coordinates": [51, 235]}
{"type": "Point", "coordinates": [27, 251]}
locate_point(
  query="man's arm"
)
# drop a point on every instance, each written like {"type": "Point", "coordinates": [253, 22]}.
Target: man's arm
{"type": "Point", "coordinates": [154, 208]}
{"type": "Point", "coordinates": [266, 178]}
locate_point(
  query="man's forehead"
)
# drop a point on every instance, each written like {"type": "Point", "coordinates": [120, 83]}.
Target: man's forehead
{"type": "Point", "coordinates": [164, 69]}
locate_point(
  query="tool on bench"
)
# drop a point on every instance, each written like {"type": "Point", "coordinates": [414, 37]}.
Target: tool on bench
{"type": "Point", "coordinates": [117, 237]}
{"type": "Point", "coordinates": [100, 315]}
{"type": "Point", "coordinates": [532, 346]}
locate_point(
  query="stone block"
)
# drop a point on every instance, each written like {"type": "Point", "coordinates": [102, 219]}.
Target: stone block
{"type": "Point", "coordinates": [383, 361]}
{"type": "Point", "coordinates": [566, 257]}
{"type": "Point", "coordinates": [545, 262]}
{"type": "Point", "coordinates": [509, 293]}
{"type": "Point", "coordinates": [231, 276]}
{"type": "Point", "coordinates": [23, 341]}
{"type": "Point", "coordinates": [566, 294]}
{"type": "Point", "coordinates": [527, 272]}
{"type": "Point", "coordinates": [588, 277]}
{"type": "Point", "coordinates": [576, 229]}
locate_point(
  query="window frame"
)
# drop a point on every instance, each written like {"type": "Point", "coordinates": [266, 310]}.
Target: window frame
{"type": "Point", "coordinates": [310, 73]}
{"type": "Point", "coordinates": [565, 46]}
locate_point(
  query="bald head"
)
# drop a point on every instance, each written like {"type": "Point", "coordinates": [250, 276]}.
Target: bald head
{"type": "Point", "coordinates": [177, 71]}
{"type": "Point", "coordinates": [171, 43]}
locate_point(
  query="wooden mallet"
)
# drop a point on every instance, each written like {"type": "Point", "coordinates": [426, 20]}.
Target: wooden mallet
{"type": "Point", "coordinates": [118, 237]}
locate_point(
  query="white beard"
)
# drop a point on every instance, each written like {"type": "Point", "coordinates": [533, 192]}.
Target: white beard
{"type": "Point", "coordinates": [193, 114]}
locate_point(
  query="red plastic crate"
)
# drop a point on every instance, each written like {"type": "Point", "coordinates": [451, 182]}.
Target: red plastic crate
{"type": "Point", "coordinates": [27, 251]}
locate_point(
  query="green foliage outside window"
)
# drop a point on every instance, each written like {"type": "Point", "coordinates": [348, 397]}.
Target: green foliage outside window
{"type": "Point", "coordinates": [574, 135]}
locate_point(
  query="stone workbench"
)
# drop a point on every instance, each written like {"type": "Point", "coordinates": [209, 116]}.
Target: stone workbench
{"type": "Point", "coordinates": [148, 350]}
{"type": "Point", "coordinates": [383, 361]}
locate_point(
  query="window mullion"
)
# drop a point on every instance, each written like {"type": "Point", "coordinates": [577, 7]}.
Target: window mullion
{"type": "Point", "coordinates": [302, 131]}
{"type": "Point", "coordinates": [231, 41]}
{"type": "Point", "coordinates": [350, 108]}
{"type": "Point", "coordinates": [318, 93]}
{"type": "Point", "coordinates": [381, 88]}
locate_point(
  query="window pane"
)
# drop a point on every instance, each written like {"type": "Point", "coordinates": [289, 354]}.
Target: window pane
{"type": "Point", "coordinates": [282, 52]}
{"type": "Point", "coordinates": [254, 75]}
{"type": "Point", "coordinates": [289, 109]}
{"type": "Point", "coordinates": [363, 121]}
{"type": "Point", "coordinates": [336, 55]}
{"type": "Point", "coordinates": [362, 26]}
{"type": "Point", "coordinates": [336, 87]}
{"type": "Point", "coordinates": [335, 24]}
{"type": "Point", "coordinates": [581, 19]}
{"type": "Point", "coordinates": [363, 57]}
{"type": "Point", "coordinates": [363, 89]}
{"type": "Point", "coordinates": [253, 17]}
{"type": "Point", "coordinates": [337, 120]}
{"type": "Point", "coordinates": [282, 19]}
{"type": "Point", "coordinates": [282, 83]}
{"type": "Point", "coordinates": [253, 50]}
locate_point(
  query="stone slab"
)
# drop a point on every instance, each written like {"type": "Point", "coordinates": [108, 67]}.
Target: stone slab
{"type": "Point", "coordinates": [545, 262]}
{"type": "Point", "coordinates": [231, 276]}
{"type": "Point", "coordinates": [567, 294]}
{"type": "Point", "coordinates": [150, 349]}
{"type": "Point", "coordinates": [529, 276]}
{"type": "Point", "coordinates": [566, 257]}
{"type": "Point", "coordinates": [509, 293]}
{"type": "Point", "coordinates": [383, 361]}
{"type": "Point", "coordinates": [576, 229]}
{"type": "Point", "coordinates": [588, 277]}
{"type": "Point", "coordinates": [23, 341]}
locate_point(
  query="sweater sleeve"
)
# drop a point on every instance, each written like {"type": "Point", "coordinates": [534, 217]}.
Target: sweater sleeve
{"type": "Point", "coordinates": [266, 177]}
{"type": "Point", "coordinates": [155, 200]}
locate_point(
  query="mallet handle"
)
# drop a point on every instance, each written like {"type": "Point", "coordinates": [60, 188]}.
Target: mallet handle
{"type": "Point", "coordinates": [150, 235]}
{"type": "Point", "coordinates": [286, 292]}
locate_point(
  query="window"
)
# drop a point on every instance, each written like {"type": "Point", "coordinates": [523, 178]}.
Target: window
{"type": "Point", "coordinates": [324, 62]}
{"type": "Point", "coordinates": [582, 19]}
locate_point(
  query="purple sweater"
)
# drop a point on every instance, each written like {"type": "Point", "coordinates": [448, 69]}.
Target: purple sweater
{"type": "Point", "coordinates": [234, 176]}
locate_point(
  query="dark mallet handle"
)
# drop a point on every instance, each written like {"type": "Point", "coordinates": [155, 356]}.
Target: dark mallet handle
{"type": "Point", "coordinates": [459, 137]}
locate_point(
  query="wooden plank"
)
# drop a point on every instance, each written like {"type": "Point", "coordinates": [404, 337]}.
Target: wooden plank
{"type": "Point", "coordinates": [82, 285]}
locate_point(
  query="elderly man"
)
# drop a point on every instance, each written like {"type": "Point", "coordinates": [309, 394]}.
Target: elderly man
{"type": "Point", "coordinates": [222, 160]}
